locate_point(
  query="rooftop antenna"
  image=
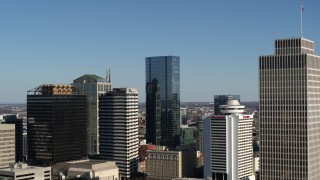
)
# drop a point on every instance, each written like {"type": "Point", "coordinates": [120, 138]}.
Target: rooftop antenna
{"type": "Point", "coordinates": [109, 79]}
{"type": "Point", "coordinates": [107, 75]}
{"type": "Point", "coordinates": [302, 9]}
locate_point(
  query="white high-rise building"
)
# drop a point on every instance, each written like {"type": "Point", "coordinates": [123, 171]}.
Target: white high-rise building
{"type": "Point", "coordinates": [228, 143]}
{"type": "Point", "coordinates": [118, 126]}
{"type": "Point", "coordinates": [93, 86]}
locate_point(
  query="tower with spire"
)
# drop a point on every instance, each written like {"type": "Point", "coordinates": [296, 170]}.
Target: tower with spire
{"type": "Point", "coordinates": [93, 86]}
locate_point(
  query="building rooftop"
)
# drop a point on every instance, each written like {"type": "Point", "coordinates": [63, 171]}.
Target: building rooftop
{"type": "Point", "coordinates": [89, 76]}
{"type": "Point", "coordinates": [232, 107]}
{"type": "Point", "coordinates": [233, 102]}
{"type": "Point", "coordinates": [53, 89]}
{"type": "Point", "coordinates": [19, 167]}
{"type": "Point", "coordinates": [86, 164]}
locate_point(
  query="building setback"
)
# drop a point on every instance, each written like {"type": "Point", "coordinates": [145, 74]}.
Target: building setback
{"type": "Point", "coordinates": [289, 108]}
{"type": "Point", "coordinates": [93, 86]}
{"type": "Point", "coordinates": [118, 123]}
{"type": "Point", "coordinates": [163, 100]}
{"type": "Point", "coordinates": [57, 124]}
{"type": "Point", "coordinates": [7, 144]}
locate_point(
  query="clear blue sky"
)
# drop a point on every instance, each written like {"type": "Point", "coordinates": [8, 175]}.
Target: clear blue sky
{"type": "Point", "coordinates": [218, 41]}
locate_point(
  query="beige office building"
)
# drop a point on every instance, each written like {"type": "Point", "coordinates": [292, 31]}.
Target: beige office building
{"type": "Point", "coordinates": [289, 107]}
{"type": "Point", "coordinates": [7, 145]}
{"type": "Point", "coordinates": [164, 164]}
{"type": "Point", "coordinates": [21, 171]}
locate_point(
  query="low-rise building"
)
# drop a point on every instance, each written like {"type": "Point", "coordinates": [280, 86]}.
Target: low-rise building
{"type": "Point", "coordinates": [19, 171]}
{"type": "Point", "coordinates": [86, 169]}
{"type": "Point", "coordinates": [164, 164]}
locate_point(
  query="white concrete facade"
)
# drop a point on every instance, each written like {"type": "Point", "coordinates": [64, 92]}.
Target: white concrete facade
{"type": "Point", "coordinates": [118, 123]}
{"type": "Point", "coordinates": [228, 145]}
{"type": "Point", "coordinates": [21, 171]}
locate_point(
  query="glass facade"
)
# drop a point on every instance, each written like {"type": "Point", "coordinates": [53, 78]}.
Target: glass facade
{"type": "Point", "coordinates": [56, 128]}
{"type": "Point", "coordinates": [187, 136]}
{"type": "Point", "coordinates": [165, 72]}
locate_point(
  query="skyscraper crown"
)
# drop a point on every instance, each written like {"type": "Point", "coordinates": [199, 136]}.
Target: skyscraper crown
{"type": "Point", "coordinates": [293, 46]}
{"type": "Point", "coordinates": [232, 107]}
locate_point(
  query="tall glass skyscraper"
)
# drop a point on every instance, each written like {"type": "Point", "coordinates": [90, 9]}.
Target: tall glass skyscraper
{"type": "Point", "coordinates": [163, 100]}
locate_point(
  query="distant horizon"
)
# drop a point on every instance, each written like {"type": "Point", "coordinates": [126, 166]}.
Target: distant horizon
{"type": "Point", "coordinates": [145, 102]}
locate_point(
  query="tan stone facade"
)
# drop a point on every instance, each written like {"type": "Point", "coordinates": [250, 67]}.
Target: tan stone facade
{"type": "Point", "coordinates": [7, 144]}
{"type": "Point", "coordinates": [164, 164]}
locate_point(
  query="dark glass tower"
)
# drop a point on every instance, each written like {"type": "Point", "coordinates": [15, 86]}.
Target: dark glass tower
{"type": "Point", "coordinates": [222, 100]}
{"type": "Point", "coordinates": [163, 100]}
{"type": "Point", "coordinates": [57, 124]}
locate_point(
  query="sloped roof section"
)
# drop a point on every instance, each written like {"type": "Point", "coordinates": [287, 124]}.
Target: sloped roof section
{"type": "Point", "coordinates": [88, 78]}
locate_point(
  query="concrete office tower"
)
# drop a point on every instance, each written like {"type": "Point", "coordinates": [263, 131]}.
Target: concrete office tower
{"type": "Point", "coordinates": [57, 123]}
{"type": "Point", "coordinates": [222, 100]}
{"type": "Point", "coordinates": [7, 144]}
{"type": "Point", "coordinates": [118, 123]}
{"type": "Point", "coordinates": [93, 86]}
{"type": "Point", "coordinates": [21, 171]}
{"type": "Point", "coordinates": [289, 109]}
{"type": "Point", "coordinates": [163, 100]}
{"type": "Point", "coordinates": [228, 144]}
{"type": "Point", "coordinates": [20, 134]}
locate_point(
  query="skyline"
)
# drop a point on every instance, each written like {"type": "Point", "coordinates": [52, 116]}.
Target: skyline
{"type": "Point", "coordinates": [218, 43]}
